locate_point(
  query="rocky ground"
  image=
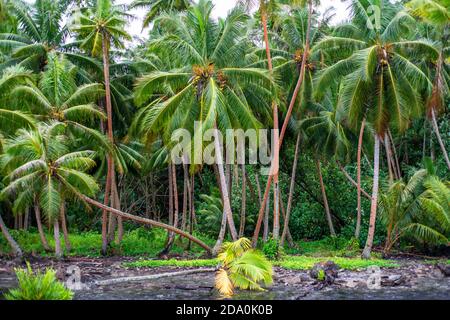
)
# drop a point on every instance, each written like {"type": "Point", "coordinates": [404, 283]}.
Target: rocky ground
{"type": "Point", "coordinates": [412, 276]}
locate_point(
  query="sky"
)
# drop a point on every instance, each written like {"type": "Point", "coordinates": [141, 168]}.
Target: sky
{"type": "Point", "coordinates": [221, 8]}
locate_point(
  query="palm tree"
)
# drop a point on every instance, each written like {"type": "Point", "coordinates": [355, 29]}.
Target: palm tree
{"type": "Point", "coordinates": [379, 78]}
{"type": "Point", "coordinates": [287, 117]}
{"type": "Point", "coordinates": [101, 28]}
{"type": "Point", "coordinates": [156, 7]}
{"type": "Point", "coordinates": [45, 169]}
{"type": "Point", "coordinates": [211, 83]}
{"type": "Point", "coordinates": [436, 13]}
{"type": "Point", "coordinates": [41, 30]}
{"type": "Point", "coordinates": [417, 209]}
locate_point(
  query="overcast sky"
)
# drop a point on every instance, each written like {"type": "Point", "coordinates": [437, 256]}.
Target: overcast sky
{"type": "Point", "coordinates": [221, 8]}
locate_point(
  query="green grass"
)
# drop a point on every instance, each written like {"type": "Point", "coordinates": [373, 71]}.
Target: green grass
{"type": "Point", "coordinates": [138, 242]}
{"type": "Point", "coordinates": [305, 262]}
{"type": "Point", "coordinates": [290, 262]}
{"type": "Point", "coordinates": [172, 263]}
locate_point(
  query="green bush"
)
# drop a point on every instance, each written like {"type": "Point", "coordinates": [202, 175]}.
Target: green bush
{"type": "Point", "coordinates": [38, 286]}
{"type": "Point", "coordinates": [272, 250]}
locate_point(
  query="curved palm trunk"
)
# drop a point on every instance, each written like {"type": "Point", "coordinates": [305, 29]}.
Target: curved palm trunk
{"type": "Point", "coordinates": [291, 192]}
{"type": "Point", "coordinates": [285, 124]}
{"type": "Point", "coordinates": [37, 211]}
{"type": "Point", "coordinates": [223, 186]}
{"type": "Point", "coordinates": [12, 243]}
{"type": "Point", "coordinates": [358, 179]}
{"type": "Point", "coordinates": [146, 221]}
{"type": "Point", "coordinates": [58, 250]}
{"type": "Point", "coordinates": [373, 209]}
{"type": "Point", "coordinates": [275, 167]}
{"type": "Point", "coordinates": [439, 138]}
{"type": "Point", "coordinates": [64, 226]}
{"type": "Point", "coordinates": [221, 237]}
{"type": "Point", "coordinates": [325, 199]}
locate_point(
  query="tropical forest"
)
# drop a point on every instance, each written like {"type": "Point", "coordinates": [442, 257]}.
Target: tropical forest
{"type": "Point", "coordinates": [212, 149]}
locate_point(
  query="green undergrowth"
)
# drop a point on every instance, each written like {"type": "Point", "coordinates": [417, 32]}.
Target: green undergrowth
{"type": "Point", "coordinates": [138, 242]}
{"type": "Point", "coordinates": [289, 262]}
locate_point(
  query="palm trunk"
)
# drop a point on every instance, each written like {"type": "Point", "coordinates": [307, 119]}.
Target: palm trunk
{"type": "Point", "coordinates": [221, 237]}
{"type": "Point", "coordinates": [58, 251]}
{"type": "Point", "coordinates": [358, 179]}
{"type": "Point", "coordinates": [62, 213]}
{"type": "Point", "coordinates": [12, 243]}
{"type": "Point", "coordinates": [109, 177]}
{"type": "Point", "coordinates": [353, 182]}
{"type": "Point", "coordinates": [266, 221]}
{"type": "Point", "coordinates": [373, 208]}
{"type": "Point", "coordinates": [26, 219]}
{"type": "Point", "coordinates": [285, 123]}
{"type": "Point", "coordinates": [37, 211]}
{"type": "Point", "coordinates": [276, 209]}
{"type": "Point", "coordinates": [288, 232]}
{"type": "Point", "coordinates": [394, 152]}
{"type": "Point", "coordinates": [243, 202]}
{"type": "Point", "coordinates": [185, 197]}
{"type": "Point", "coordinates": [142, 220]}
{"type": "Point", "coordinates": [325, 199]}
{"type": "Point", "coordinates": [223, 186]}
{"type": "Point", "coordinates": [439, 138]}
{"type": "Point", "coordinates": [174, 222]}
{"type": "Point", "coordinates": [291, 192]}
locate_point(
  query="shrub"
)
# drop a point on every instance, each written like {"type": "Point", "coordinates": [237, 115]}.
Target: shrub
{"type": "Point", "coordinates": [38, 286]}
{"type": "Point", "coordinates": [272, 250]}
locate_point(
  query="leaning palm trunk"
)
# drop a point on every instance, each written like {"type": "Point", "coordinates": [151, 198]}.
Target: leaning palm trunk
{"type": "Point", "coordinates": [37, 211]}
{"type": "Point", "coordinates": [439, 138]}
{"type": "Point", "coordinates": [221, 237]}
{"type": "Point", "coordinates": [291, 192]}
{"type": "Point", "coordinates": [353, 182]}
{"type": "Point", "coordinates": [285, 124]}
{"type": "Point", "coordinates": [276, 210]}
{"type": "Point", "coordinates": [145, 221]}
{"type": "Point", "coordinates": [64, 226]}
{"type": "Point", "coordinates": [373, 208]}
{"type": "Point", "coordinates": [358, 179]}
{"type": "Point", "coordinates": [12, 243]}
{"type": "Point", "coordinates": [325, 199]}
{"type": "Point", "coordinates": [223, 186]}
{"type": "Point", "coordinates": [58, 250]}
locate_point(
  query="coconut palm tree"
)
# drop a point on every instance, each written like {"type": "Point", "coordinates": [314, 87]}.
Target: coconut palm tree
{"type": "Point", "coordinates": [379, 78]}
{"type": "Point", "coordinates": [211, 84]}
{"type": "Point", "coordinates": [417, 209]}
{"type": "Point", "coordinates": [101, 28]}
{"type": "Point", "coordinates": [41, 30]}
{"type": "Point", "coordinates": [45, 169]}
{"type": "Point", "coordinates": [436, 13]}
{"type": "Point", "coordinates": [288, 116]}
{"type": "Point", "coordinates": [156, 7]}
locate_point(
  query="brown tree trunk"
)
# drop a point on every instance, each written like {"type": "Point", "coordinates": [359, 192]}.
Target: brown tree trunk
{"type": "Point", "coordinates": [185, 197]}
{"type": "Point", "coordinates": [394, 151]}
{"type": "Point", "coordinates": [223, 185]}
{"type": "Point", "coordinates": [26, 219]}
{"type": "Point", "coordinates": [266, 221]}
{"type": "Point", "coordinates": [439, 138]}
{"type": "Point", "coordinates": [358, 179]}
{"type": "Point", "coordinates": [350, 179]}
{"type": "Point", "coordinates": [291, 192]}
{"type": "Point", "coordinates": [58, 251]}
{"type": "Point", "coordinates": [286, 121]}
{"type": "Point", "coordinates": [12, 243]}
{"type": "Point", "coordinates": [275, 167]}
{"type": "Point", "coordinates": [288, 232]}
{"type": "Point", "coordinates": [373, 209]}
{"type": "Point", "coordinates": [146, 221]}
{"type": "Point", "coordinates": [111, 170]}
{"type": "Point", "coordinates": [325, 199]}
{"type": "Point", "coordinates": [243, 202]}
{"type": "Point", "coordinates": [62, 214]}
{"type": "Point", "coordinates": [37, 211]}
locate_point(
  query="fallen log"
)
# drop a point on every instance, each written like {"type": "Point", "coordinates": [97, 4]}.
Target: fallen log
{"type": "Point", "coordinates": [147, 221]}
{"type": "Point", "coordinates": [152, 276]}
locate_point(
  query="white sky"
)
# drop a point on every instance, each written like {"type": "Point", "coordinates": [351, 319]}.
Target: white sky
{"type": "Point", "coordinates": [221, 9]}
